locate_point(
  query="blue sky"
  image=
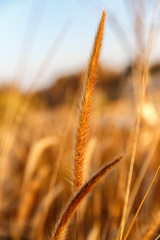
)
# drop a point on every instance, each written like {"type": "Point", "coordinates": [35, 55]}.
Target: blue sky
{"type": "Point", "coordinates": [38, 24]}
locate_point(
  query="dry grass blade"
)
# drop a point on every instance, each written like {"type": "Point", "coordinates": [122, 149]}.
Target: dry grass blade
{"type": "Point", "coordinates": [85, 107]}
{"type": "Point", "coordinates": [78, 197]}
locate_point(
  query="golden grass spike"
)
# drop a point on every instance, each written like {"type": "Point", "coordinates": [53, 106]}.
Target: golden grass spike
{"type": "Point", "coordinates": [140, 206]}
{"type": "Point", "coordinates": [85, 107]}
{"type": "Point", "coordinates": [78, 197]}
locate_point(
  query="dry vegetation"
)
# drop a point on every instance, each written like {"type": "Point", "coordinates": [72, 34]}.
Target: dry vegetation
{"type": "Point", "coordinates": [52, 157]}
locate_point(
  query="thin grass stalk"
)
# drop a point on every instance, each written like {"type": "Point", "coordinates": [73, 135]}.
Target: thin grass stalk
{"type": "Point", "coordinates": [85, 108]}
{"type": "Point", "coordinates": [78, 197]}
{"type": "Point", "coordinates": [133, 156]}
{"type": "Point", "coordinates": [158, 237]}
{"type": "Point", "coordinates": [145, 75]}
{"type": "Point", "coordinates": [143, 171]}
{"type": "Point", "coordinates": [140, 206]}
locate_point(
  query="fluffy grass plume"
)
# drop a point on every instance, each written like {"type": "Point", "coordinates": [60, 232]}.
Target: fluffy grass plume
{"type": "Point", "coordinates": [85, 107]}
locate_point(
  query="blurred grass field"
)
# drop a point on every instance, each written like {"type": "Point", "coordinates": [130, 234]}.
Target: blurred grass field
{"type": "Point", "coordinates": [37, 142]}
{"type": "Point", "coordinates": [45, 134]}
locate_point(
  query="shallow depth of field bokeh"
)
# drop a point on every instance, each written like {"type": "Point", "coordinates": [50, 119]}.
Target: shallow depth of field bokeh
{"type": "Point", "coordinates": [39, 101]}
